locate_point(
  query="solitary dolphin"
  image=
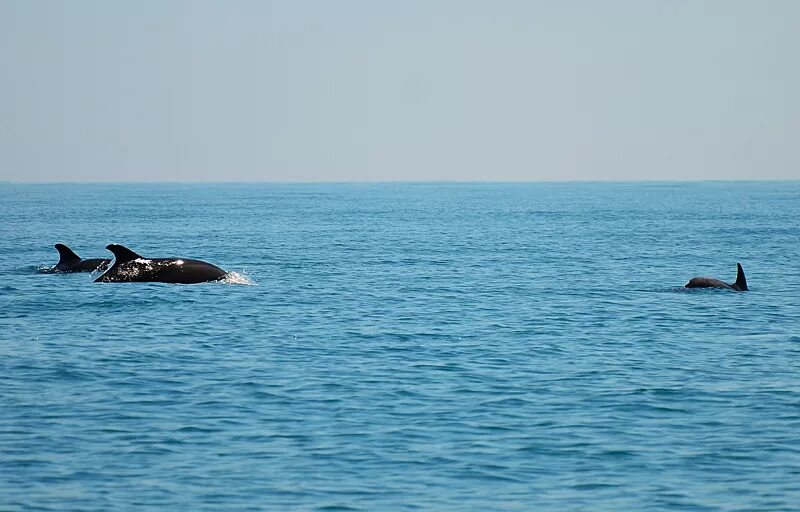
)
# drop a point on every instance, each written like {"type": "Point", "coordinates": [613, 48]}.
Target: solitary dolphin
{"type": "Point", "coordinates": [709, 282]}
{"type": "Point", "coordinates": [71, 262]}
{"type": "Point", "coordinates": [130, 267]}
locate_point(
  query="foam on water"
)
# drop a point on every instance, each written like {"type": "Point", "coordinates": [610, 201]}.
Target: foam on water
{"type": "Point", "coordinates": [238, 278]}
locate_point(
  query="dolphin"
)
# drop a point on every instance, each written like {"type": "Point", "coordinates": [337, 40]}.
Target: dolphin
{"type": "Point", "coordinates": [709, 282]}
{"type": "Point", "coordinates": [130, 267]}
{"type": "Point", "coordinates": [71, 262]}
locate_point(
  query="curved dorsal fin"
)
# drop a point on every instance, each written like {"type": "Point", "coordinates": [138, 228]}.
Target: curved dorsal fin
{"type": "Point", "coordinates": [122, 253]}
{"type": "Point", "coordinates": [741, 281]}
{"type": "Point", "coordinates": [66, 255]}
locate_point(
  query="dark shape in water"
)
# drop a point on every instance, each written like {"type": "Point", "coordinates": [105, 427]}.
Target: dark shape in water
{"type": "Point", "coordinates": [129, 267]}
{"type": "Point", "coordinates": [71, 262]}
{"type": "Point", "coordinates": [709, 282]}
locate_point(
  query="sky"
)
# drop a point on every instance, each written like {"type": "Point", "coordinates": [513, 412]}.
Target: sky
{"type": "Point", "coordinates": [411, 90]}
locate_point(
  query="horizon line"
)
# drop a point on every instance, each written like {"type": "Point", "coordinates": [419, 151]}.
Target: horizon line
{"type": "Point", "coordinates": [389, 182]}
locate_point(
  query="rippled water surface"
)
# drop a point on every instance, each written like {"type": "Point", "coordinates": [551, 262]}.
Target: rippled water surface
{"type": "Point", "coordinates": [404, 347]}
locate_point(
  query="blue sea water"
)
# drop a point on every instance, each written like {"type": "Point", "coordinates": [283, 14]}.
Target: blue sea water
{"type": "Point", "coordinates": [404, 347]}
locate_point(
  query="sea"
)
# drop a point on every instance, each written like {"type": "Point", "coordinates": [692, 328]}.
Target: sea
{"type": "Point", "coordinates": [404, 346]}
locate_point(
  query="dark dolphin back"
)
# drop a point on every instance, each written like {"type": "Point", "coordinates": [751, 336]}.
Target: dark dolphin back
{"type": "Point", "coordinates": [741, 280]}
{"type": "Point", "coordinates": [66, 255]}
{"type": "Point", "coordinates": [126, 268]}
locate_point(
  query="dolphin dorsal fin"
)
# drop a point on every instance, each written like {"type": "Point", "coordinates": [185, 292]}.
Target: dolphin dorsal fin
{"type": "Point", "coordinates": [122, 253]}
{"type": "Point", "coordinates": [66, 255]}
{"type": "Point", "coordinates": [741, 280]}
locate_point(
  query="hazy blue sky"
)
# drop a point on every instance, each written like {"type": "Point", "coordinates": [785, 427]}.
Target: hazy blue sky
{"type": "Point", "coordinates": [302, 90]}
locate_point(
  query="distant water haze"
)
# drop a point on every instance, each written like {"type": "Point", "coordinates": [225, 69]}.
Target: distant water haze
{"type": "Point", "coordinates": [399, 91]}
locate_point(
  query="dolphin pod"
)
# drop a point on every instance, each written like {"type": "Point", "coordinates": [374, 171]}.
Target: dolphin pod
{"type": "Point", "coordinates": [70, 262]}
{"type": "Point", "coordinates": [130, 267]}
{"type": "Point", "coordinates": [709, 282]}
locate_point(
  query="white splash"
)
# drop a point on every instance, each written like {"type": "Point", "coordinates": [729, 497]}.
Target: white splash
{"type": "Point", "coordinates": [237, 278]}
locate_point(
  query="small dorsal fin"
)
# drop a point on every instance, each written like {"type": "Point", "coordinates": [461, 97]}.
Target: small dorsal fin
{"type": "Point", "coordinates": [741, 280]}
{"type": "Point", "coordinates": [122, 253]}
{"type": "Point", "coordinates": [66, 255]}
